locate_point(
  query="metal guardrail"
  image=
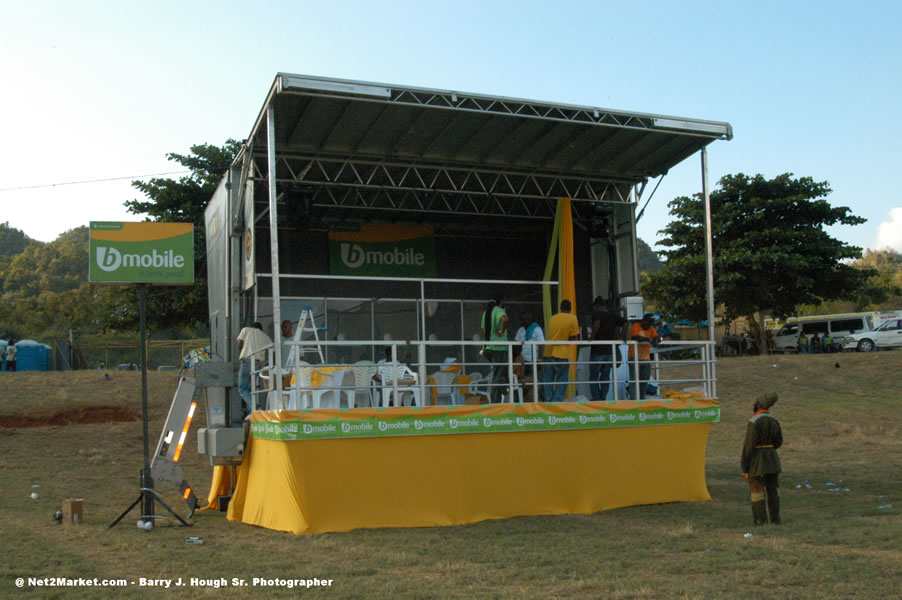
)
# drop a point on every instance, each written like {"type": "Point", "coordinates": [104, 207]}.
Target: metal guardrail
{"type": "Point", "coordinates": [696, 357]}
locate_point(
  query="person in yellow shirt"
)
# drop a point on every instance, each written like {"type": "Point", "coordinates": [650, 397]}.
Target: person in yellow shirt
{"type": "Point", "coordinates": [643, 332]}
{"type": "Point", "coordinates": [562, 327]}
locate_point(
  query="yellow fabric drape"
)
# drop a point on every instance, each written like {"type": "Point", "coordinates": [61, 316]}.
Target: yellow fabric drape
{"type": "Point", "coordinates": [566, 277]}
{"type": "Point", "coordinates": [547, 308]}
{"type": "Point", "coordinates": [562, 249]}
{"type": "Point", "coordinates": [222, 482]}
{"type": "Point", "coordinates": [316, 486]}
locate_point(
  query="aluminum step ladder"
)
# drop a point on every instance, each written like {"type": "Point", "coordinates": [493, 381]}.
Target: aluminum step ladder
{"type": "Point", "coordinates": [306, 324]}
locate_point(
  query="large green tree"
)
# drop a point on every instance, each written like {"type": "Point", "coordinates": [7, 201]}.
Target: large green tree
{"type": "Point", "coordinates": [771, 253]}
{"type": "Point", "coordinates": [184, 201]}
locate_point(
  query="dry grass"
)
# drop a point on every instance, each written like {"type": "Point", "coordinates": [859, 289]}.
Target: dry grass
{"type": "Point", "coordinates": [841, 426]}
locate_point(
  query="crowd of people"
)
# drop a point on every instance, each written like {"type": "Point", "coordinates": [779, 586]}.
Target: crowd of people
{"type": "Point", "coordinates": [536, 347]}
{"type": "Point", "coordinates": [554, 360]}
{"type": "Point", "coordinates": [817, 343]}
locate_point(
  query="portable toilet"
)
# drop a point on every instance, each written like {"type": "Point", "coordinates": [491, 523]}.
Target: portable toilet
{"type": "Point", "coordinates": [3, 345]}
{"type": "Point", "coordinates": [32, 356]}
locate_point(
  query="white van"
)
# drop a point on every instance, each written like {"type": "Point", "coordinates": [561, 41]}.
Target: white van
{"type": "Point", "coordinates": [837, 327]}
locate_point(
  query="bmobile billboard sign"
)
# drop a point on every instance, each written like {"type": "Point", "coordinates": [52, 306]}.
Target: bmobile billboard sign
{"type": "Point", "coordinates": [156, 253]}
{"type": "Point", "coordinates": [380, 249]}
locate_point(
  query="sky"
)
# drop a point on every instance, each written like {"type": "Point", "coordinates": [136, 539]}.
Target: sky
{"type": "Point", "coordinates": [102, 91]}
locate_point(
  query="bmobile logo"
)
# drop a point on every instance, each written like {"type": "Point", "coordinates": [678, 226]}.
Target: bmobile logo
{"type": "Point", "coordinates": [354, 256]}
{"type": "Point", "coordinates": [110, 259]}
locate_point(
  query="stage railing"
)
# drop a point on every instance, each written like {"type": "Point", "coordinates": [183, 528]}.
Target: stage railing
{"type": "Point", "coordinates": [687, 365]}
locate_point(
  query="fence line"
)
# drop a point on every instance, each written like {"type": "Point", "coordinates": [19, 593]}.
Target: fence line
{"type": "Point", "coordinates": [126, 354]}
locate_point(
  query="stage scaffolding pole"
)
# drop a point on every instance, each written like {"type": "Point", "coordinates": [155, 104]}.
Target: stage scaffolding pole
{"type": "Point", "coordinates": [709, 269]}
{"type": "Point", "coordinates": [274, 254]}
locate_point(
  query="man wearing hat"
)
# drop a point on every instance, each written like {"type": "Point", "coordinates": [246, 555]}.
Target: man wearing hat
{"type": "Point", "coordinates": [760, 462]}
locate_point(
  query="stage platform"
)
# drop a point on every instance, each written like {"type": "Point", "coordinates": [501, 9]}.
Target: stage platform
{"type": "Point", "coordinates": [329, 470]}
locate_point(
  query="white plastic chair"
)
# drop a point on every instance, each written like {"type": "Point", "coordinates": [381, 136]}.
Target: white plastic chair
{"type": "Point", "coordinates": [363, 372]}
{"type": "Point", "coordinates": [410, 385]}
{"type": "Point", "coordinates": [329, 390]}
{"type": "Point", "coordinates": [444, 386]}
{"type": "Point", "coordinates": [270, 402]}
{"type": "Point", "coordinates": [301, 391]}
{"type": "Point", "coordinates": [485, 386]}
{"type": "Point", "coordinates": [306, 395]}
{"type": "Point", "coordinates": [518, 390]}
{"type": "Point", "coordinates": [475, 382]}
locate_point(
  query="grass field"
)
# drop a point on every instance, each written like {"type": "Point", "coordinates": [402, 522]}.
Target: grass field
{"type": "Point", "coordinates": [842, 426]}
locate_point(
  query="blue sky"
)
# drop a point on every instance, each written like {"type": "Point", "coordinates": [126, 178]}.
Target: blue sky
{"type": "Point", "coordinates": [99, 90]}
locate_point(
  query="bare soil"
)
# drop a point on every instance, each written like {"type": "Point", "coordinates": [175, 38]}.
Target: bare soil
{"type": "Point", "coordinates": [82, 415]}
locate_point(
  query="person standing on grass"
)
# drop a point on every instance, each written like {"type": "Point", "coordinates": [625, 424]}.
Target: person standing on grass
{"type": "Point", "coordinates": [803, 344]}
{"type": "Point", "coordinates": [760, 463]}
{"type": "Point", "coordinates": [11, 356]}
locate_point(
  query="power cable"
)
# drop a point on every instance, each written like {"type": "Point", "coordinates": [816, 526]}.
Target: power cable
{"type": "Point", "coordinates": [46, 185]}
{"type": "Point", "coordinates": [642, 212]}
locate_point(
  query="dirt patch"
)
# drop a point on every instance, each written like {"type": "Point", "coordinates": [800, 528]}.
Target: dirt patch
{"type": "Point", "coordinates": [84, 415]}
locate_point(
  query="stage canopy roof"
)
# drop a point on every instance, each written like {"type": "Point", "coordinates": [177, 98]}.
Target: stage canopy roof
{"type": "Point", "coordinates": [362, 150]}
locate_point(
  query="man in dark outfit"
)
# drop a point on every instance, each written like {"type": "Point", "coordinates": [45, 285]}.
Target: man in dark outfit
{"type": "Point", "coordinates": [607, 324]}
{"type": "Point", "coordinates": [760, 462]}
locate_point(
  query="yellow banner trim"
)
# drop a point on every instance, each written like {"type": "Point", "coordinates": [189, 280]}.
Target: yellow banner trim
{"type": "Point", "coordinates": [142, 232]}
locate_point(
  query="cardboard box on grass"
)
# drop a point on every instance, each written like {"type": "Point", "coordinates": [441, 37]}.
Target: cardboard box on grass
{"type": "Point", "coordinates": [73, 511]}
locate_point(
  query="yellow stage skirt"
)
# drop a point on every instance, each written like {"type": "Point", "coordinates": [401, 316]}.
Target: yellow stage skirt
{"type": "Point", "coordinates": [323, 485]}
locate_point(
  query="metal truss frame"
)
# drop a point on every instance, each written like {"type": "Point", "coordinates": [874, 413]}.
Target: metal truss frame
{"type": "Point", "coordinates": [373, 186]}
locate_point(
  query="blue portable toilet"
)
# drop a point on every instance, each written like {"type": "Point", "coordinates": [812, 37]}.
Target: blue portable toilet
{"type": "Point", "coordinates": [3, 345]}
{"type": "Point", "coordinates": [32, 356]}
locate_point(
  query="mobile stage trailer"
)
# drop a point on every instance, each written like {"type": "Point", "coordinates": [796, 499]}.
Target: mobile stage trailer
{"type": "Point", "coordinates": [394, 213]}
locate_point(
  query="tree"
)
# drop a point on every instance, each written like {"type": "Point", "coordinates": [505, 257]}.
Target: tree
{"type": "Point", "coordinates": [12, 240]}
{"type": "Point", "coordinates": [45, 290]}
{"type": "Point", "coordinates": [771, 253]}
{"type": "Point", "coordinates": [648, 260]}
{"type": "Point", "coordinates": [884, 286]}
{"type": "Point", "coordinates": [184, 201]}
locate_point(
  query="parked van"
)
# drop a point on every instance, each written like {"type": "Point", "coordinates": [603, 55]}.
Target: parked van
{"type": "Point", "coordinates": [836, 326]}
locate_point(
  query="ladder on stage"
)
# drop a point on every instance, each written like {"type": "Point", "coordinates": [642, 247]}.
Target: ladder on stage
{"type": "Point", "coordinates": [298, 349]}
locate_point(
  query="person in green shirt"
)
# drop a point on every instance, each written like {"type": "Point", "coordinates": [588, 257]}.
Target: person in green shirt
{"type": "Point", "coordinates": [494, 329]}
{"type": "Point", "coordinates": [760, 462]}
{"type": "Point", "coordinates": [803, 344]}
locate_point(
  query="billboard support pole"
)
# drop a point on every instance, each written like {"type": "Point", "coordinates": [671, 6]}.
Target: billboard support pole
{"type": "Point", "coordinates": [146, 477]}
{"type": "Point", "coordinates": [146, 493]}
